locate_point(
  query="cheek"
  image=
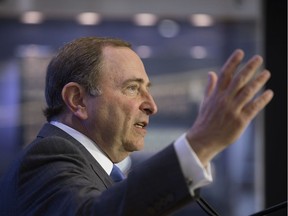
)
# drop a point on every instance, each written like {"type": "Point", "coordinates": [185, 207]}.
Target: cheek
{"type": "Point", "coordinates": [123, 107]}
{"type": "Point", "coordinates": [113, 112]}
{"type": "Point", "coordinates": [121, 114]}
{"type": "Point", "coordinates": [116, 111]}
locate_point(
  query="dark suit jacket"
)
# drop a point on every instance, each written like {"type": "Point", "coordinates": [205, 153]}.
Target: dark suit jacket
{"type": "Point", "coordinates": [56, 175]}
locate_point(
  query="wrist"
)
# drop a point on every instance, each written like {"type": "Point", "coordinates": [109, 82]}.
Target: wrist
{"type": "Point", "coordinates": [205, 149]}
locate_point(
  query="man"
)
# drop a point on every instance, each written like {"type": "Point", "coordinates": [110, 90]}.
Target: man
{"type": "Point", "coordinates": [98, 108]}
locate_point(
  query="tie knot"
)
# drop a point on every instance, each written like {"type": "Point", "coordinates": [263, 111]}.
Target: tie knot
{"type": "Point", "coordinates": [116, 174]}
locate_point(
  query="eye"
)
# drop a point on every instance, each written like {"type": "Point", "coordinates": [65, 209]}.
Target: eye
{"type": "Point", "coordinates": [132, 89]}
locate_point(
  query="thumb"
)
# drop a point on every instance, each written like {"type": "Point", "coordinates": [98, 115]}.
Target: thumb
{"type": "Point", "coordinates": [210, 86]}
{"type": "Point", "coordinates": [212, 81]}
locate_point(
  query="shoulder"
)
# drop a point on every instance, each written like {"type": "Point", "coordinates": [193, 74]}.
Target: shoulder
{"type": "Point", "coordinates": [51, 150]}
{"type": "Point", "coordinates": [52, 139]}
{"type": "Point", "coordinates": [51, 145]}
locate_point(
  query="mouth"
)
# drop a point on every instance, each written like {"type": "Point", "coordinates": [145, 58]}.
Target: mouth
{"type": "Point", "coordinates": [141, 125]}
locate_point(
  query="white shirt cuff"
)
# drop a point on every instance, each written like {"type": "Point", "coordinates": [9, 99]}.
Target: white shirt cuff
{"type": "Point", "coordinates": [195, 174]}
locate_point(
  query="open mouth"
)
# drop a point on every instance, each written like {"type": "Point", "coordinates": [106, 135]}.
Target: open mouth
{"type": "Point", "coordinates": [141, 125]}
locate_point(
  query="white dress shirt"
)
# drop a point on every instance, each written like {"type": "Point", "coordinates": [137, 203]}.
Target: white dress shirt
{"type": "Point", "coordinates": [191, 166]}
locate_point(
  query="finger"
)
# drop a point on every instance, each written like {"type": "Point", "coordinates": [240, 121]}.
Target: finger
{"type": "Point", "coordinates": [245, 75]}
{"type": "Point", "coordinates": [249, 91]}
{"type": "Point", "coordinates": [229, 69]}
{"type": "Point", "coordinates": [212, 80]}
{"type": "Point", "coordinates": [255, 106]}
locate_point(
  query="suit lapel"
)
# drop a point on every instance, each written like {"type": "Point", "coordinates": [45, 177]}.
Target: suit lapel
{"type": "Point", "coordinates": [51, 130]}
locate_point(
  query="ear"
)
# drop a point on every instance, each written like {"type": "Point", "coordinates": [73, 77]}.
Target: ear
{"type": "Point", "coordinates": [73, 95]}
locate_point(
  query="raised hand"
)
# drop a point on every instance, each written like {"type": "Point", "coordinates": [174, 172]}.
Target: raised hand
{"type": "Point", "coordinates": [231, 102]}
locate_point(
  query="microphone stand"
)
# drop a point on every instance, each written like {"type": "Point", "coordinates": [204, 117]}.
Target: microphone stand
{"type": "Point", "coordinates": [271, 209]}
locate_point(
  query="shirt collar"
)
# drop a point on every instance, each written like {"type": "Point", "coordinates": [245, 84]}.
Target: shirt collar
{"type": "Point", "coordinates": [92, 147]}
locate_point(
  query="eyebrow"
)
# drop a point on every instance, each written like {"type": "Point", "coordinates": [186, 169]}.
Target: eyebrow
{"type": "Point", "coordinates": [138, 80]}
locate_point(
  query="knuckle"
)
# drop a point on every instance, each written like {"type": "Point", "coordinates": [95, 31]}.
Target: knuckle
{"type": "Point", "coordinates": [240, 80]}
{"type": "Point", "coordinates": [251, 109]}
{"type": "Point", "coordinates": [247, 92]}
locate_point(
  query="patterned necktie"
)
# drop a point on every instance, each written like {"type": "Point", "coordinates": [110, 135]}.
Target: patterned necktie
{"type": "Point", "coordinates": [116, 174]}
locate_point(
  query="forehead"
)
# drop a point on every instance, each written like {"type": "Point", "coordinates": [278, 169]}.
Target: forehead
{"type": "Point", "coordinates": [121, 64]}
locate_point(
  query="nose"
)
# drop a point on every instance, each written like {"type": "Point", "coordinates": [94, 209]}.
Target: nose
{"type": "Point", "coordinates": [148, 105]}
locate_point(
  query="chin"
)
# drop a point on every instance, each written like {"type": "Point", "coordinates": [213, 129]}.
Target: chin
{"type": "Point", "coordinates": [135, 146]}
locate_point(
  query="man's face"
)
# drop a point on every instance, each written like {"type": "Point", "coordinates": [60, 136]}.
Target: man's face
{"type": "Point", "coordinates": [117, 119]}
